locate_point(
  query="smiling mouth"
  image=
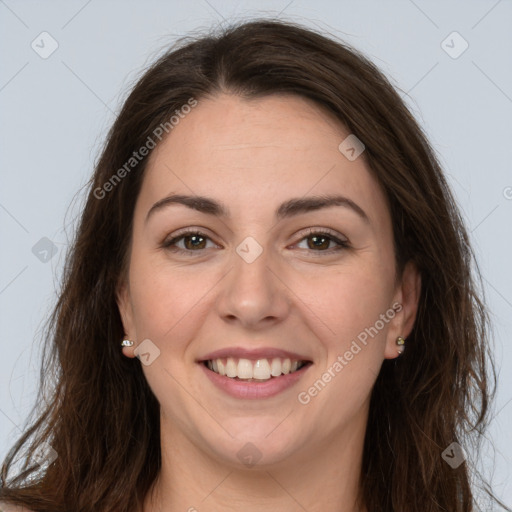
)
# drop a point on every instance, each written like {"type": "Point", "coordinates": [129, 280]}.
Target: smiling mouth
{"type": "Point", "coordinates": [259, 370]}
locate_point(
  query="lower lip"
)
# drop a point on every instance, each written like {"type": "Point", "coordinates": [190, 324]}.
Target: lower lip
{"type": "Point", "coordinates": [255, 390]}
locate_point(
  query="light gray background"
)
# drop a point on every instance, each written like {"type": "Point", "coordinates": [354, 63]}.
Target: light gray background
{"type": "Point", "coordinates": [55, 113]}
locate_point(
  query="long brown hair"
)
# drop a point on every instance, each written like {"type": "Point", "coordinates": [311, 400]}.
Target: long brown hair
{"type": "Point", "coordinates": [97, 411]}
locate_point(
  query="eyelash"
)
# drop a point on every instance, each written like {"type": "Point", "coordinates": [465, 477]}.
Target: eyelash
{"type": "Point", "coordinates": [342, 244]}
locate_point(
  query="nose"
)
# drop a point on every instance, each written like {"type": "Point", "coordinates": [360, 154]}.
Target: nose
{"type": "Point", "coordinates": [253, 293]}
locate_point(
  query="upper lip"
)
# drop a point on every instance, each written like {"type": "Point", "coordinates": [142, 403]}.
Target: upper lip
{"type": "Point", "coordinates": [253, 354]}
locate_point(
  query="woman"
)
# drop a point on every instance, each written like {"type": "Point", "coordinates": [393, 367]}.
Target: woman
{"type": "Point", "coordinates": [270, 234]}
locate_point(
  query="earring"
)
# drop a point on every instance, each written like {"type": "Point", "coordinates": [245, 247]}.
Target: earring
{"type": "Point", "coordinates": [400, 342]}
{"type": "Point", "coordinates": [127, 343]}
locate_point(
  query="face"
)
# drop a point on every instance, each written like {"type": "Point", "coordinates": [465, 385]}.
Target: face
{"type": "Point", "coordinates": [260, 273]}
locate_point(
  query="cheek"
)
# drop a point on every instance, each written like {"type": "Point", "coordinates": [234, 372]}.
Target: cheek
{"type": "Point", "coordinates": [170, 305]}
{"type": "Point", "coordinates": [171, 302]}
{"type": "Point", "coordinates": [346, 301]}
{"type": "Point", "coordinates": [168, 300]}
{"type": "Point", "coordinates": [341, 384]}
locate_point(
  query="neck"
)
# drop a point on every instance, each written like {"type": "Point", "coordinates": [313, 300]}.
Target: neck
{"type": "Point", "coordinates": [325, 479]}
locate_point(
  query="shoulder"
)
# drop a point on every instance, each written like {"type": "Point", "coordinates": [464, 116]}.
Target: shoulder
{"type": "Point", "coordinates": [6, 507]}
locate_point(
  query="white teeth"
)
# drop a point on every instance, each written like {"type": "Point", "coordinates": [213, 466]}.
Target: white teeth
{"type": "Point", "coordinates": [231, 368]}
{"type": "Point", "coordinates": [275, 369]}
{"type": "Point", "coordinates": [244, 369]}
{"type": "Point", "coordinates": [262, 369]}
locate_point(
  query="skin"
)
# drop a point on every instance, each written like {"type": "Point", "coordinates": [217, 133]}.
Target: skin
{"type": "Point", "coordinates": [252, 155]}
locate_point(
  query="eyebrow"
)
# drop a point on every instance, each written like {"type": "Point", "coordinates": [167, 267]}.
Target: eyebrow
{"type": "Point", "coordinates": [290, 208]}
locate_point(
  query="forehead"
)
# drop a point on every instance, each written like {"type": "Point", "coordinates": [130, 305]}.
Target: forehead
{"type": "Point", "coordinates": [242, 151]}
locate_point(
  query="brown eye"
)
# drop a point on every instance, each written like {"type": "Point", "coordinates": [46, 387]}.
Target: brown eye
{"type": "Point", "coordinates": [194, 242]}
{"type": "Point", "coordinates": [191, 241]}
{"type": "Point", "coordinates": [320, 241]}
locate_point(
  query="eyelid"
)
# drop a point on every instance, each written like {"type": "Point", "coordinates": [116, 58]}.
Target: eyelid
{"type": "Point", "coordinates": [323, 231]}
{"type": "Point", "coordinates": [183, 233]}
{"type": "Point", "coordinates": [342, 241]}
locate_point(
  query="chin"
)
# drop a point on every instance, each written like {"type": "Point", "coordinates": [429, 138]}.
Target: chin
{"type": "Point", "coordinates": [256, 442]}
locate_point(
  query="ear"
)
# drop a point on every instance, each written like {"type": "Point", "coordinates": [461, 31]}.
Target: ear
{"type": "Point", "coordinates": [405, 304]}
{"type": "Point", "coordinates": [124, 304]}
